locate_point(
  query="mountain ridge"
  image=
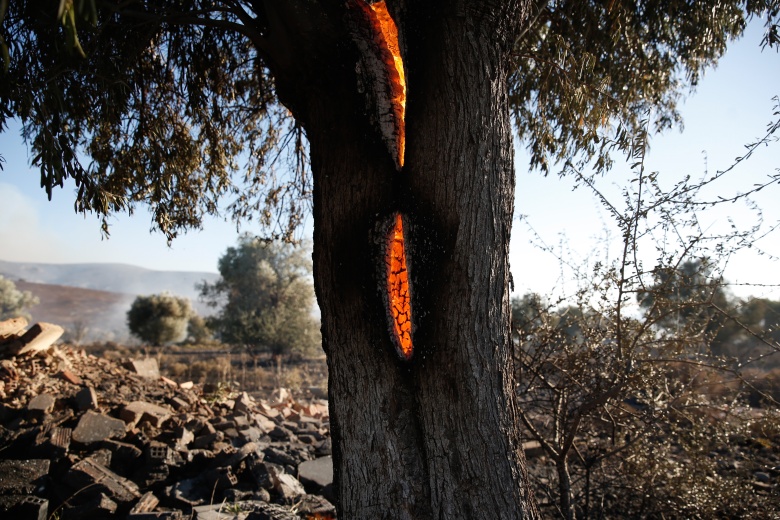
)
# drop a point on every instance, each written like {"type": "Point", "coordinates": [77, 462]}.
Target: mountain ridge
{"type": "Point", "coordinates": [97, 296]}
{"type": "Point", "coordinates": [109, 277]}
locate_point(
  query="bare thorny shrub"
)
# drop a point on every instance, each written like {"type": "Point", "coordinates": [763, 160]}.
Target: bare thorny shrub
{"type": "Point", "coordinates": [636, 386]}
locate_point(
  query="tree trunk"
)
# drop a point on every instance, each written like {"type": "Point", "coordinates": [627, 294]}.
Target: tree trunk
{"type": "Point", "coordinates": [436, 436]}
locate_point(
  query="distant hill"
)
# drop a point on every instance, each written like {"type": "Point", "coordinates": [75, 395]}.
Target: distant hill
{"type": "Point", "coordinates": [97, 296]}
{"type": "Point", "coordinates": [117, 278]}
{"type": "Point", "coordinates": [102, 313]}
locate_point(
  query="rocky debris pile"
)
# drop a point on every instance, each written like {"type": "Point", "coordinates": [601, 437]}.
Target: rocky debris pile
{"type": "Point", "coordinates": [87, 438]}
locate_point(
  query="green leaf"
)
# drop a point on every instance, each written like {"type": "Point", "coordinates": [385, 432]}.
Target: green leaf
{"type": "Point", "coordinates": [67, 15]}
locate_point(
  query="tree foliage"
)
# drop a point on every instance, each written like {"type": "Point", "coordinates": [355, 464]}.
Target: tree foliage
{"type": "Point", "coordinates": [590, 73]}
{"type": "Point", "coordinates": [265, 297]}
{"type": "Point", "coordinates": [160, 318]}
{"type": "Point", "coordinates": [198, 330]}
{"type": "Point", "coordinates": [175, 104]}
{"type": "Point", "coordinates": [635, 379]}
{"type": "Point", "coordinates": [175, 113]}
{"type": "Point", "coordinates": [13, 302]}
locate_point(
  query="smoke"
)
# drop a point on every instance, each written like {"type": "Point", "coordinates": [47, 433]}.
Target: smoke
{"type": "Point", "coordinates": [21, 236]}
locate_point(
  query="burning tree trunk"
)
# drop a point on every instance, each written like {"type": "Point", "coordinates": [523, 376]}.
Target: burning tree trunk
{"type": "Point", "coordinates": [423, 427]}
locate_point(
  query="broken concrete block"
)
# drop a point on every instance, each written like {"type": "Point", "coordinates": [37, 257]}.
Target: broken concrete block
{"type": "Point", "coordinates": [27, 507]}
{"type": "Point", "coordinates": [152, 475]}
{"type": "Point", "coordinates": [281, 434]}
{"type": "Point", "coordinates": [264, 423]}
{"type": "Point", "coordinates": [324, 448]}
{"type": "Point", "coordinates": [156, 453]}
{"type": "Point", "coordinates": [207, 429]}
{"type": "Point", "coordinates": [250, 449]}
{"type": "Point", "coordinates": [279, 456]}
{"type": "Point", "coordinates": [159, 454]}
{"type": "Point", "coordinates": [146, 504]}
{"type": "Point", "coordinates": [98, 507]}
{"type": "Point", "coordinates": [40, 405]}
{"type": "Point", "coordinates": [280, 396]}
{"type": "Point", "coordinates": [183, 438]}
{"type": "Point", "coordinates": [315, 506]}
{"type": "Point", "coordinates": [189, 491]}
{"type": "Point", "coordinates": [179, 404]}
{"type": "Point", "coordinates": [40, 337]}
{"type": "Point", "coordinates": [86, 399]}
{"type": "Point", "coordinates": [146, 368]}
{"type": "Point", "coordinates": [287, 486]}
{"type": "Point", "coordinates": [95, 427]}
{"type": "Point", "coordinates": [10, 329]}
{"type": "Point", "coordinates": [204, 441]}
{"type": "Point", "coordinates": [123, 455]}
{"type": "Point", "coordinates": [102, 456]}
{"type": "Point", "coordinates": [244, 403]}
{"type": "Point", "coordinates": [90, 473]}
{"type": "Point", "coordinates": [318, 472]}
{"type": "Point", "coordinates": [225, 424]}
{"type": "Point", "coordinates": [23, 477]}
{"type": "Point", "coordinates": [54, 443]}
{"type": "Point", "coordinates": [139, 411]}
{"type": "Point", "coordinates": [220, 478]}
{"type": "Point", "coordinates": [169, 382]}
{"type": "Point", "coordinates": [259, 471]}
{"type": "Point", "coordinates": [251, 434]}
{"type": "Point", "coordinates": [139, 439]}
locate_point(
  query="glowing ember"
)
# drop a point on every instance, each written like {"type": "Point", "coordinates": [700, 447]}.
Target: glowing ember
{"type": "Point", "coordinates": [399, 294]}
{"type": "Point", "coordinates": [386, 37]}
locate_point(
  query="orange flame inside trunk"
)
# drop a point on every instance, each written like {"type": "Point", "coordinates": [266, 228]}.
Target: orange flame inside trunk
{"type": "Point", "coordinates": [393, 83]}
{"type": "Point", "coordinates": [399, 294]}
{"type": "Point", "coordinates": [386, 33]}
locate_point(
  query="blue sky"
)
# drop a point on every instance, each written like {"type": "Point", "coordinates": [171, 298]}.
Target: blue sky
{"type": "Point", "coordinates": [731, 107]}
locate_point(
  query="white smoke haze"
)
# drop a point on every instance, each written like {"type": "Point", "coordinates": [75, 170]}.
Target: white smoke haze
{"type": "Point", "coordinates": [22, 237]}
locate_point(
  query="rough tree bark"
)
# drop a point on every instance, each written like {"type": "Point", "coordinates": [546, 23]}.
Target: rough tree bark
{"type": "Point", "coordinates": [436, 437]}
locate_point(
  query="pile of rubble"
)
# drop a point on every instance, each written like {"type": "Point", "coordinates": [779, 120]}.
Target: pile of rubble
{"type": "Point", "coordinates": [87, 438]}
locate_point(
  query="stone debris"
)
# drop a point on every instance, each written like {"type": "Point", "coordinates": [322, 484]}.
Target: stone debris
{"type": "Point", "coordinates": [38, 338]}
{"type": "Point", "coordinates": [137, 411]}
{"type": "Point", "coordinates": [94, 427]}
{"type": "Point", "coordinates": [84, 437]}
{"type": "Point", "coordinates": [146, 368]}
{"type": "Point", "coordinates": [318, 472]}
{"type": "Point", "coordinates": [13, 327]}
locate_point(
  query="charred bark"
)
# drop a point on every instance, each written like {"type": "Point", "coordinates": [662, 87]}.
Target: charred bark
{"type": "Point", "coordinates": [436, 436]}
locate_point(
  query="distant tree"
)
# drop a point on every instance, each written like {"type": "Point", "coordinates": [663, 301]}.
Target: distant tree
{"type": "Point", "coordinates": [13, 302]}
{"type": "Point", "coordinates": [764, 315]}
{"type": "Point", "coordinates": [690, 295]}
{"type": "Point", "coordinates": [266, 296]}
{"type": "Point", "coordinates": [752, 331]}
{"type": "Point", "coordinates": [159, 318]}
{"type": "Point", "coordinates": [198, 330]}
